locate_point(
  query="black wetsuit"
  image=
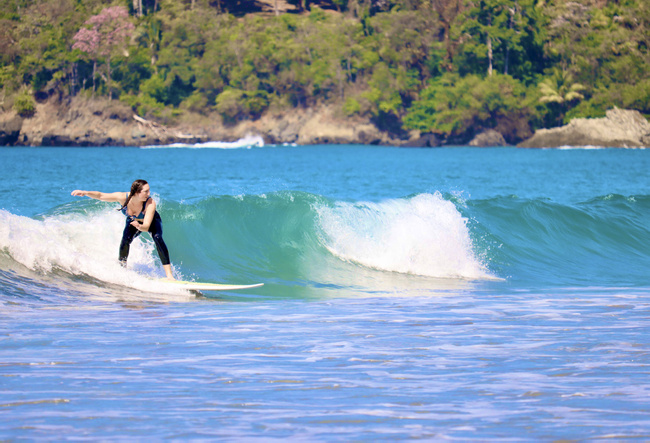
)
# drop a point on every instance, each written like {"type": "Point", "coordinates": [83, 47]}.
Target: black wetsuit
{"type": "Point", "coordinates": [130, 233]}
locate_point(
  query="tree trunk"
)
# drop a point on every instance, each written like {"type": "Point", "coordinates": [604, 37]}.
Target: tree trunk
{"type": "Point", "coordinates": [73, 80]}
{"type": "Point", "coordinates": [489, 46]}
{"type": "Point", "coordinates": [108, 80]}
{"type": "Point", "coordinates": [154, 59]}
{"type": "Point", "coordinates": [448, 49]}
{"type": "Point", "coordinates": [510, 20]}
{"type": "Point", "coordinates": [447, 11]}
{"type": "Point", "coordinates": [137, 7]}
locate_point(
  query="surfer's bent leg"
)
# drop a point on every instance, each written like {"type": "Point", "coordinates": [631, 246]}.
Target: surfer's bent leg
{"type": "Point", "coordinates": [156, 233]}
{"type": "Point", "coordinates": [127, 237]}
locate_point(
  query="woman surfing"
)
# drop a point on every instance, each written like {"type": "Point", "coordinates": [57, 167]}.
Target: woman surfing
{"type": "Point", "coordinates": [141, 216]}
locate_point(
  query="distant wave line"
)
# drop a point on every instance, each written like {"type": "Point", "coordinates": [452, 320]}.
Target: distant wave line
{"type": "Point", "coordinates": [243, 143]}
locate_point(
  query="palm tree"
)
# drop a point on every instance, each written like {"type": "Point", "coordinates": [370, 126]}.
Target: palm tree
{"type": "Point", "coordinates": [559, 88]}
{"type": "Point", "coordinates": [560, 92]}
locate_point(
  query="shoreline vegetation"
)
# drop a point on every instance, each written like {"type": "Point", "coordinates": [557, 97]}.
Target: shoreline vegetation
{"type": "Point", "coordinates": [421, 73]}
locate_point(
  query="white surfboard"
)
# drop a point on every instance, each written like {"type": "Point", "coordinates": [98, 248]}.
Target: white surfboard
{"type": "Point", "coordinates": [197, 286]}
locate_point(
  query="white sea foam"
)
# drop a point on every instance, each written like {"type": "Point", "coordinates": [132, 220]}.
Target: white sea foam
{"type": "Point", "coordinates": [595, 147]}
{"type": "Point", "coordinates": [424, 235]}
{"type": "Point", "coordinates": [80, 244]}
{"type": "Point", "coordinates": [250, 141]}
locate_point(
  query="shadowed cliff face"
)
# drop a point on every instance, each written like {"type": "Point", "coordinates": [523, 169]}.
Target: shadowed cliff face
{"type": "Point", "coordinates": [10, 126]}
{"type": "Point", "coordinates": [619, 128]}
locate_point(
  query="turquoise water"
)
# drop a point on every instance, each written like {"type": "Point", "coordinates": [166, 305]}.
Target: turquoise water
{"type": "Point", "coordinates": [455, 293]}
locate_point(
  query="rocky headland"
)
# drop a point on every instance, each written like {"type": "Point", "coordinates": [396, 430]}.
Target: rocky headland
{"type": "Point", "coordinates": [618, 129]}
{"type": "Point", "coordinates": [100, 122]}
{"type": "Point", "coordinates": [82, 121]}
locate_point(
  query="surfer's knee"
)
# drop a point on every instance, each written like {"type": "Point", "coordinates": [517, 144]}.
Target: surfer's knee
{"type": "Point", "coordinates": [163, 252]}
{"type": "Point", "coordinates": [158, 240]}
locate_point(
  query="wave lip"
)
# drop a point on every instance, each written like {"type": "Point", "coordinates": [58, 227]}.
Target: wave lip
{"type": "Point", "coordinates": [425, 235]}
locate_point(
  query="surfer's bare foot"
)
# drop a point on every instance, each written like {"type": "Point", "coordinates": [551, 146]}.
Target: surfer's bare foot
{"type": "Point", "coordinates": [168, 272]}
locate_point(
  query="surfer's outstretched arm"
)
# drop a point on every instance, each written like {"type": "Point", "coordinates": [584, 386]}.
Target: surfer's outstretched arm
{"type": "Point", "coordinates": [118, 197]}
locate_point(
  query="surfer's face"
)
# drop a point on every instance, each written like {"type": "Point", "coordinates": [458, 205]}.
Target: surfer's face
{"type": "Point", "coordinates": [144, 192]}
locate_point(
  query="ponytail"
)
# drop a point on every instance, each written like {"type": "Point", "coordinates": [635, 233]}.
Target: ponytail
{"type": "Point", "coordinates": [136, 187]}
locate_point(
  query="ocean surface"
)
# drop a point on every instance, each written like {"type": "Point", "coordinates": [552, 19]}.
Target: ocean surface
{"type": "Point", "coordinates": [465, 294]}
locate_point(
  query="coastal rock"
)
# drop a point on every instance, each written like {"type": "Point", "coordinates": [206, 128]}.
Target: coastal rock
{"type": "Point", "coordinates": [309, 126]}
{"type": "Point", "coordinates": [10, 127]}
{"type": "Point", "coordinates": [57, 140]}
{"type": "Point", "coordinates": [488, 138]}
{"type": "Point", "coordinates": [367, 135]}
{"type": "Point", "coordinates": [618, 129]}
{"type": "Point", "coordinates": [137, 134]}
{"type": "Point", "coordinates": [81, 122]}
{"type": "Point", "coordinates": [322, 129]}
{"type": "Point", "coordinates": [423, 141]}
{"type": "Point", "coordinates": [86, 141]}
{"type": "Point", "coordinates": [284, 131]}
{"type": "Point", "coordinates": [645, 140]}
{"type": "Point", "coordinates": [326, 127]}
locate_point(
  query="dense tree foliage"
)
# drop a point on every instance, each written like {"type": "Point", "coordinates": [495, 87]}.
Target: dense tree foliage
{"type": "Point", "coordinates": [449, 67]}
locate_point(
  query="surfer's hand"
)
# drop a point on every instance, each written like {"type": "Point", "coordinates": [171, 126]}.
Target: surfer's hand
{"type": "Point", "coordinates": [78, 193]}
{"type": "Point", "coordinates": [137, 225]}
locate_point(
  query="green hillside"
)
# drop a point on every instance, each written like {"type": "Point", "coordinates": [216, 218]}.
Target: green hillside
{"type": "Point", "coordinates": [448, 67]}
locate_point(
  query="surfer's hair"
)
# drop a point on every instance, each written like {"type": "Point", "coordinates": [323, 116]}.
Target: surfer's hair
{"type": "Point", "coordinates": [136, 187]}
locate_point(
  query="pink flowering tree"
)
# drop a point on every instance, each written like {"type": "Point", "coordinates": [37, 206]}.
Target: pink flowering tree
{"type": "Point", "coordinates": [106, 32]}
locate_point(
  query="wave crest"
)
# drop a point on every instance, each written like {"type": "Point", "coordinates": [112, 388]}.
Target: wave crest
{"type": "Point", "coordinates": [424, 235]}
